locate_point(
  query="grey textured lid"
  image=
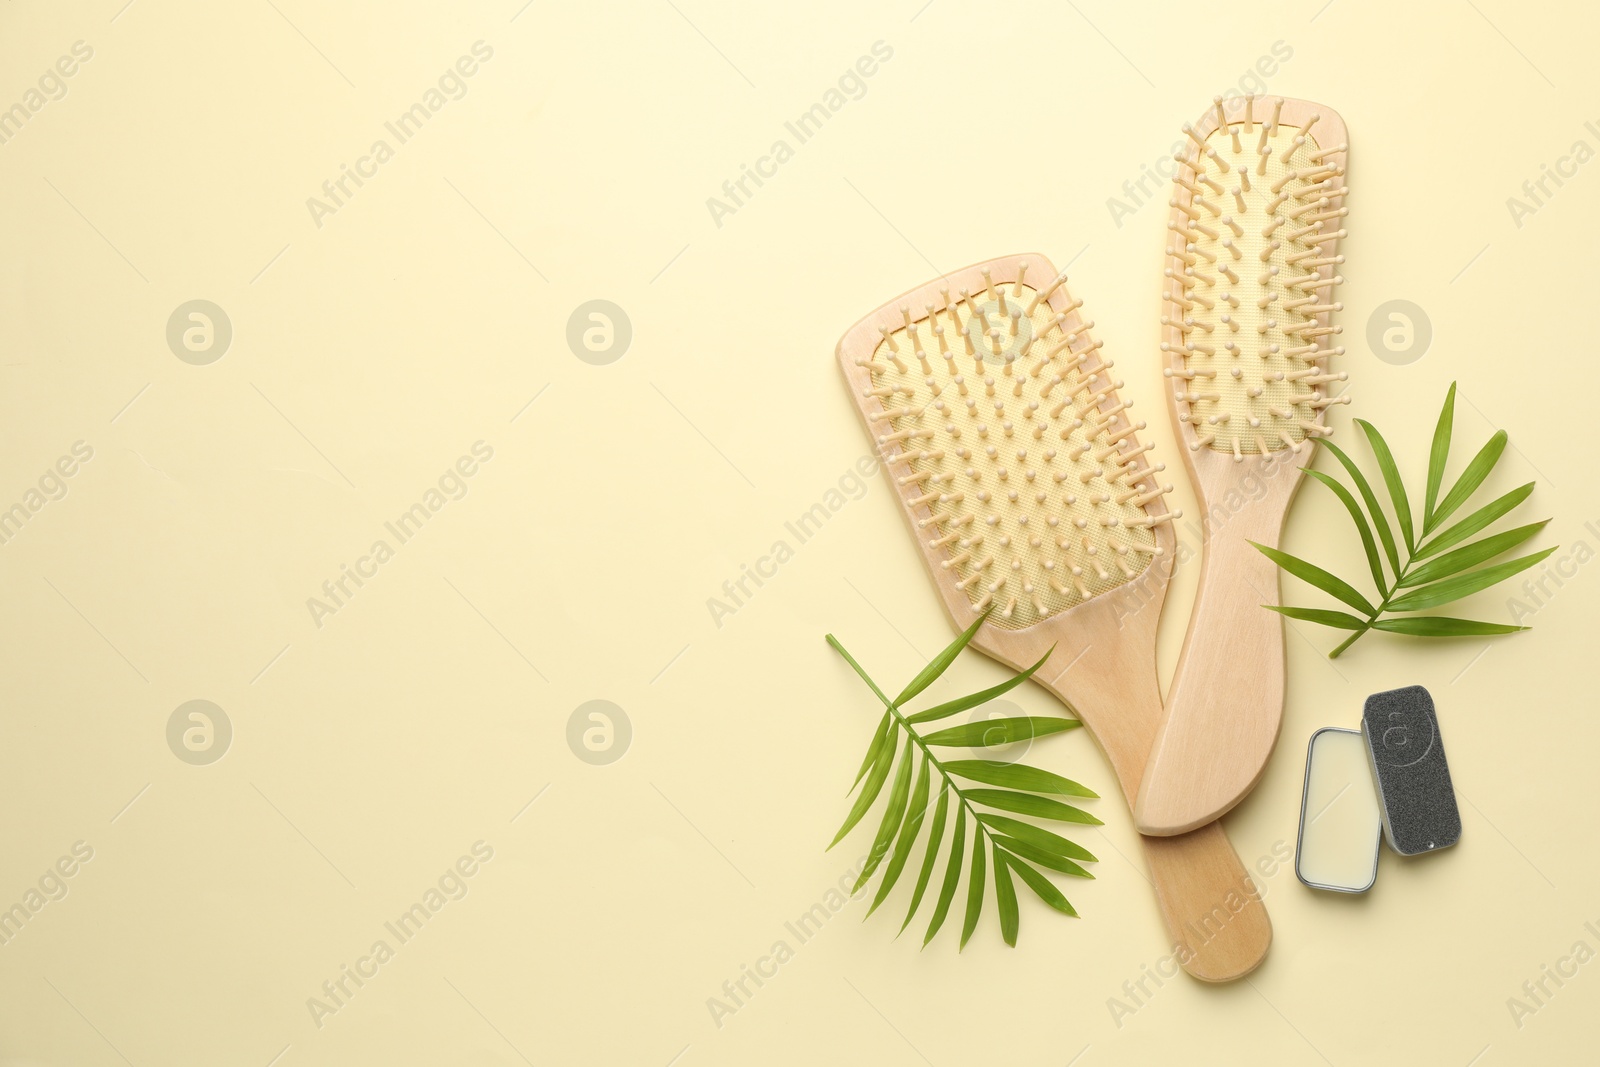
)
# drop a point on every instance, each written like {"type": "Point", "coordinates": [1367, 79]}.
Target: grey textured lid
{"type": "Point", "coordinates": [1415, 794]}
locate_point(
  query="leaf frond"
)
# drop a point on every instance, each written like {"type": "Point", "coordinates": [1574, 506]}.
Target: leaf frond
{"type": "Point", "coordinates": [999, 848]}
{"type": "Point", "coordinates": [1438, 565]}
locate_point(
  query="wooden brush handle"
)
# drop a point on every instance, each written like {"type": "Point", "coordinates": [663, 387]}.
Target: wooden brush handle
{"type": "Point", "coordinates": [1226, 702]}
{"type": "Point", "coordinates": [1214, 916]}
{"type": "Point", "coordinates": [1216, 924]}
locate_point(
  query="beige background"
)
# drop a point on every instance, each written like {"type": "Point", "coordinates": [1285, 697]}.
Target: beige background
{"type": "Point", "coordinates": [371, 352]}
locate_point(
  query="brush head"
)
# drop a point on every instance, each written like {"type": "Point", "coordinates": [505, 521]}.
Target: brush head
{"type": "Point", "coordinates": [998, 418]}
{"type": "Point", "coordinates": [1257, 213]}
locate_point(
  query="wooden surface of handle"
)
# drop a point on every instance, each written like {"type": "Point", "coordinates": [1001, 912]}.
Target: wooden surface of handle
{"type": "Point", "coordinates": [1212, 909]}
{"type": "Point", "coordinates": [1216, 923]}
{"type": "Point", "coordinates": [1226, 703]}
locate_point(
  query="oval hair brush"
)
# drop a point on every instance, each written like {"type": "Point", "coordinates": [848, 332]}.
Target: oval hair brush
{"type": "Point", "coordinates": [1250, 271]}
{"type": "Point", "coordinates": [1030, 497]}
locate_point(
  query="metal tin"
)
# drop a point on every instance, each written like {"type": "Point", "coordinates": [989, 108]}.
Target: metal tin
{"type": "Point", "coordinates": [1340, 824]}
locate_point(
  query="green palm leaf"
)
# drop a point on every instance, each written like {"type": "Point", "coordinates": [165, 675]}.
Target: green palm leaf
{"type": "Point", "coordinates": [1472, 477]}
{"type": "Point", "coordinates": [1037, 836]}
{"type": "Point", "coordinates": [1440, 565]}
{"type": "Point", "coordinates": [1472, 555]}
{"type": "Point", "coordinates": [991, 732]}
{"type": "Point", "coordinates": [869, 792]}
{"type": "Point", "coordinates": [1005, 895]}
{"type": "Point", "coordinates": [935, 837]}
{"type": "Point", "coordinates": [1311, 573]}
{"type": "Point", "coordinates": [890, 825]}
{"type": "Point", "coordinates": [1028, 804]}
{"type": "Point", "coordinates": [1045, 889]}
{"type": "Point", "coordinates": [908, 836]}
{"type": "Point", "coordinates": [1362, 526]}
{"type": "Point", "coordinates": [1018, 776]}
{"type": "Point", "coordinates": [1441, 626]}
{"type": "Point", "coordinates": [1026, 790]}
{"type": "Point", "coordinates": [1450, 590]}
{"type": "Point", "coordinates": [872, 749]}
{"type": "Point", "coordinates": [929, 674]}
{"type": "Point", "coordinates": [1439, 456]}
{"type": "Point", "coordinates": [974, 889]}
{"type": "Point", "coordinates": [1391, 478]}
{"type": "Point", "coordinates": [951, 707]}
{"type": "Point", "coordinates": [1339, 619]}
{"type": "Point", "coordinates": [952, 875]}
{"type": "Point", "coordinates": [1379, 521]}
{"type": "Point", "coordinates": [1041, 857]}
{"type": "Point", "coordinates": [1478, 520]}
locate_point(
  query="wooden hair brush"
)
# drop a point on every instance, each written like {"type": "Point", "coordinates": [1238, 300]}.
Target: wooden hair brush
{"type": "Point", "coordinates": [1250, 272]}
{"type": "Point", "coordinates": [1029, 496]}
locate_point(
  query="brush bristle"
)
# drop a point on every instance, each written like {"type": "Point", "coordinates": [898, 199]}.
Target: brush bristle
{"type": "Point", "coordinates": [1250, 278]}
{"type": "Point", "coordinates": [1029, 480]}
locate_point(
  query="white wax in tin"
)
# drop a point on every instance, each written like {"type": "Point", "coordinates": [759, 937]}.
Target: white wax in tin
{"type": "Point", "coordinates": [1340, 821]}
